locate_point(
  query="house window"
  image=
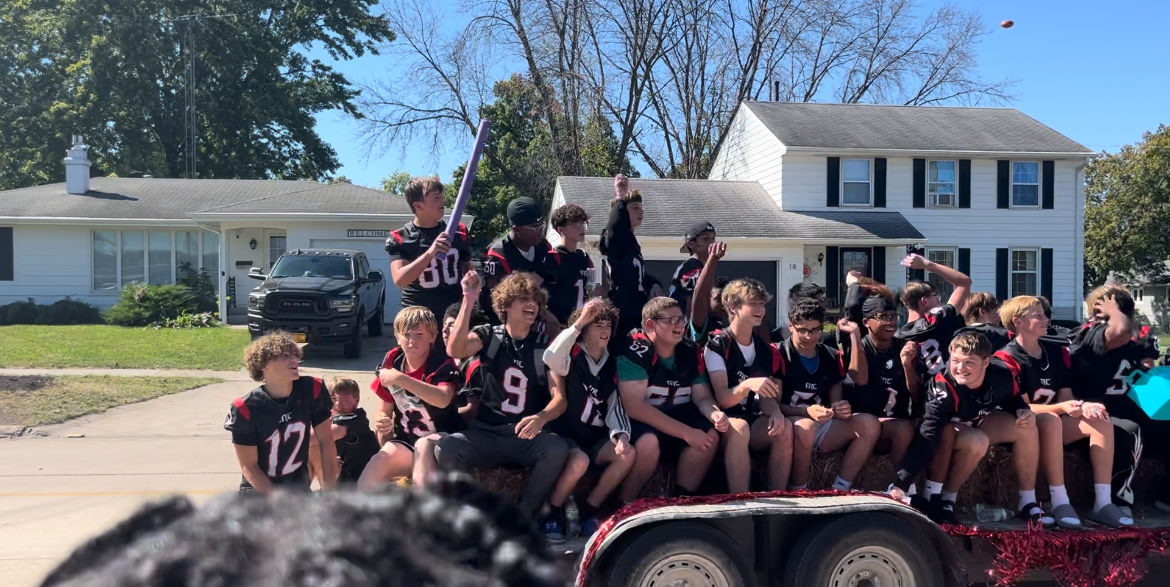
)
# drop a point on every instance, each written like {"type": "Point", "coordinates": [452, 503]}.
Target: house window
{"type": "Point", "coordinates": [941, 184]}
{"type": "Point", "coordinates": [7, 255]}
{"type": "Point", "coordinates": [277, 245]}
{"type": "Point", "coordinates": [122, 257]}
{"type": "Point", "coordinates": [1025, 184]}
{"type": "Point", "coordinates": [1025, 272]}
{"type": "Point", "coordinates": [161, 257]}
{"type": "Point", "coordinates": [105, 260]}
{"type": "Point", "coordinates": [211, 255]}
{"type": "Point", "coordinates": [856, 187]}
{"type": "Point", "coordinates": [943, 256]}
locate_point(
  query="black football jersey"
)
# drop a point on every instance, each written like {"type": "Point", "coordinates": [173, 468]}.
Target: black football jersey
{"type": "Point", "coordinates": [503, 258]}
{"type": "Point", "coordinates": [415, 417]}
{"type": "Point", "coordinates": [666, 388]}
{"type": "Point", "coordinates": [279, 429]}
{"type": "Point", "coordinates": [682, 284]}
{"type": "Point", "coordinates": [568, 289]}
{"type": "Point", "coordinates": [885, 393]}
{"type": "Point", "coordinates": [933, 333]}
{"type": "Point", "coordinates": [767, 363]}
{"type": "Point", "coordinates": [625, 265]}
{"type": "Point", "coordinates": [1040, 378]}
{"type": "Point", "coordinates": [589, 396]}
{"type": "Point", "coordinates": [1099, 373]}
{"type": "Point", "coordinates": [998, 336]}
{"type": "Point", "coordinates": [802, 388]}
{"type": "Point", "coordinates": [438, 285]}
{"type": "Point", "coordinates": [513, 375]}
{"type": "Point", "coordinates": [357, 446]}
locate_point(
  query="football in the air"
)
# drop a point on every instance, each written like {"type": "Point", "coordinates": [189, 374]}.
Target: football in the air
{"type": "Point", "coordinates": [1007, 24]}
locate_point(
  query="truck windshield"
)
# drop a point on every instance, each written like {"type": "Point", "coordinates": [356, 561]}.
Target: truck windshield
{"type": "Point", "coordinates": [313, 266]}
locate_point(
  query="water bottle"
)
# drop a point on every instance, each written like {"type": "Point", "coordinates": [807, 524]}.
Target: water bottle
{"type": "Point", "coordinates": [572, 519]}
{"type": "Point", "coordinates": [990, 513]}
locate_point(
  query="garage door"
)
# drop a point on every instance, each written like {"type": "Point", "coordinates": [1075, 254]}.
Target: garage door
{"type": "Point", "coordinates": [375, 250]}
{"type": "Point", "coordinates": [765, 271]}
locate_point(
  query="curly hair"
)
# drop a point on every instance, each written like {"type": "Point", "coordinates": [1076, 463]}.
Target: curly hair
{"type": "Point", "coordinates": [453, 534]}
{"type": "Point", "coordinates": [977, 302]}
{"type": "Point", "coordinates": [744, 290]}
{"type": "Point", "coordinates": [608, 313]}
{"type": "Point", "coordinates": [267, 348]}
{"type": "Point", "coordinates": [418, 187]}
{"type": "Point", "coordinates": [412, 317]}
{"type": "Point", "coordinates": [1016, 308]}
{"type": "Point", "coordinates": [971, 343]}
{"type": "Point", "coordinates": [568, 214]}
{"type": "Point", "coordinates": [517, 285]}
{"type": "Point", "coordinates": [804, 290]}
{"type": "Point", "coordinates": [806, 309]}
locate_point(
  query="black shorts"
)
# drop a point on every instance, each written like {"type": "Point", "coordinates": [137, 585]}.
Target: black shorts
{"type": "Point", "coordinates": [669, 447]}
{"type": "Point", "coordinates": [749, 416]}
{"type": "Point", "coordinates": [590, 451]}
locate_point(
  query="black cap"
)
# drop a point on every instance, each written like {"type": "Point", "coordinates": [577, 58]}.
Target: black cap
{"type": "Point", "coordinates": [524, 211]}
{"type": "Point", "coordinates": [874, 305]}
{"type": "Point", "coordinates": [694, 232]}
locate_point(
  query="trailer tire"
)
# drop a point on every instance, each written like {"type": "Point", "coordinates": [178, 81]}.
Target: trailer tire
{"type": "Point", "coordinates": [871, 548]}
{"type": "Point", "coordinates": [680, 553]}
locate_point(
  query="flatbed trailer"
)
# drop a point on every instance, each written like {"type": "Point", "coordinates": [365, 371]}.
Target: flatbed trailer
{"type": "Point", "coordinates": [816, 538]}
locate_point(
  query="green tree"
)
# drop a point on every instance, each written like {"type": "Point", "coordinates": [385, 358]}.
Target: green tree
{"type": "Point", "coordinates": [116, 73]}
{"type": "Point", "coordinates": [395, 185]}
{"type": "Point", "coordinates": [1127, 210]}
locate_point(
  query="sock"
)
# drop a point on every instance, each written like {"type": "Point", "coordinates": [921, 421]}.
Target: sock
{"type": "Point", "coordinates": [1058, 494]}
{"type": "Point", "coordinates": [800, 487]}
{"type": "Point", "coordinates": [950, 496]}
{"type": "Point", "coordinates": [1027, 497]}
{"type": "Point", "coordinates": [931, 488]}
{"type": "Point", "coordinates": [1102, 491]}
{"type": "Point", "coordinates": [842, 485]}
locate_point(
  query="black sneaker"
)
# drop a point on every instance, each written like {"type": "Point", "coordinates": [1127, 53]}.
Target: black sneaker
{"type": "Point", "coordinates": [941, 511]}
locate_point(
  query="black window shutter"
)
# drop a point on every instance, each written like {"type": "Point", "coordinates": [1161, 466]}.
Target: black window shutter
{"type": "Point", "coordinates": [879, 182]}
{"type": "Point", "coordinates": [879, 264]}
{"type": "Point", "coordinates": [964, 262]}
{"type": "Point", "coordinates": [1046, 273]}
{"type": "Point", "coordinates": [1048, 184]}
{"type": "Point", "coordinates": [6, 254]}
{"type": "Point", "coordinates": [832, 283]}
{"type": "Point", "coordinates": [1001, 274]}
{"type": "Point", "coordinates": [920, 183]}
{"type": "Point", "coordinates": [964, 183]}
{"type": "Point", "coordinates": [1003, 183]}
{"type": "Point", "coordinates": [833, 182]}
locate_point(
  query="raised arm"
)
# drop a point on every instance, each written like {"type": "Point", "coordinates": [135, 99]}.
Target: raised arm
{"type": "Point", "coordinates": [701, 300]}
{"type": "Point", "coordinates": [462, 343]}
{"type": "Point", "coordinates": [954, 277]}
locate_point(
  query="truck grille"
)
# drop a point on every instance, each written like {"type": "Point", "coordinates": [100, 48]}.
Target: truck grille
{"type": "Point", "coordinates": [297, 305]}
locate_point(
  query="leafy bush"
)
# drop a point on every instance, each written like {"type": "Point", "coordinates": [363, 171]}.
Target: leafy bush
{"type": "Point", "coordinates": [201, 286]}
{"type": "Point", "coordinates": [200, 320]}
{"type": "Point", "coordinates": [64, 311]}
{"type": "Point", "coordinates": [142, 304]}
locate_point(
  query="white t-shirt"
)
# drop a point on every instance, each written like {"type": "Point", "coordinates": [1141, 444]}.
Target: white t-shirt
{"type": "Point", "coordinates": [715, 362]}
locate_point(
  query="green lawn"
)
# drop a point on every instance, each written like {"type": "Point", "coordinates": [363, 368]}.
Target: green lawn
{"type": "Point", "coordinates": [116, 346]}
{"type": "Point", "coordinates": [36, 400]}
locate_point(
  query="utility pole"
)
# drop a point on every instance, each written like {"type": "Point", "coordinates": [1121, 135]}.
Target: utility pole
{"type": "Point", "coordinates": [190, 119]}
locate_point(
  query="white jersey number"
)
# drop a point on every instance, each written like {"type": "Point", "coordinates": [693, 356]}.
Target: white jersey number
{"type": "Point", "coordinates": [516, 386]}
{"type": "Point", "coordinates": [274, 441]}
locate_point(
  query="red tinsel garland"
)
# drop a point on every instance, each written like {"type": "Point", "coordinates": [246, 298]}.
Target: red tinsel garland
{"type": "Point", "coordinates": [1077, 558]}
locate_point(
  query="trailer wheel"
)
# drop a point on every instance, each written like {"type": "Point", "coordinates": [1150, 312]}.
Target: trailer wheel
{"type": "Point", "coordinates": [878, 550]}
{"type": "Point", "coordinates": [680, 553]}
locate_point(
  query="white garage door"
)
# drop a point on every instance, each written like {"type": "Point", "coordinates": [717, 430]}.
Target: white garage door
{"type": "Point", "coordinates": [375, 250]}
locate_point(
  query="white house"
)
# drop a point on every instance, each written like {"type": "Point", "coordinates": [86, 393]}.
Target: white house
{"type": "Point", "coordinates": [86, 238]}
{"type": "Point", "coordinates": [811, 191]}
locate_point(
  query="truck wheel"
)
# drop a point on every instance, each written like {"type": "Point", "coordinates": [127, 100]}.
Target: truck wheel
{"type": "Point", "coordinates": [375, 323]}
{"type": "Point", "coordinates": [865, 549]}
{"type": "Point", "coordinates": [353, 348]}
{"type": "Point", "coordinates": [680, 553]}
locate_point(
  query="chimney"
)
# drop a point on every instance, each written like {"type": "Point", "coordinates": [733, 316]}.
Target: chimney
{"type": "Point", "coordinates": [77, 167]}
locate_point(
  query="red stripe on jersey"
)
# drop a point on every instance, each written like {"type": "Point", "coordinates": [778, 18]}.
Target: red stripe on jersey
{"type": "Point", "coordinates": [1067, 358]}
{"type": "Point", "coordinates": [242, 408]}
{"type": "Point", "coordinates": [439, 368]}
{"type": "Point", "coordinates": [954, 396]}
{"type": "Point", "coordinates": [555, 255]}
{"type": "Point", "coordinates": [388, 362]}
{"type": "Point", "coordinates": [503, 261]}
{"type": "Point", "coordinates": [317, 385]}
{"type": "Point", "coordinates": [462, 230]}
{"type": "Point", "coordinates": [699, 358]}
{"type": "Point", "coordinates": [777, 360]}
{"type": "Point", "coordinates": [1144, 332]}
{"type": "Point", "coordinates": [575, 351]}
{"type": "Point", "coordinates": [471, 370]}
{"type": "Point", "coordinates": [841, 363]}
{"type": "Point", "coordinates": [397, 237]}
{"type": "Point", "coordinates": [1012, 366]}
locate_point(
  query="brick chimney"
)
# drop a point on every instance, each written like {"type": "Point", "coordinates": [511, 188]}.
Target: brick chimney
{"type": "Point", "coordinates": [77, 167]}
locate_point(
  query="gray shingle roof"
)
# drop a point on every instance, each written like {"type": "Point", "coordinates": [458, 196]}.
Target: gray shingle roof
{"type": "Point", "coordinates": [147, 199]}
{"type": "Point", "coordinates": [911, 128]}
{"type": "Point", "coordinates": [736, 208]}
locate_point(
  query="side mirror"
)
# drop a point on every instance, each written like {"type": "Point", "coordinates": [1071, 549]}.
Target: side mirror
{"type": "Point", "coordinates": [257, 273]}
{"type": "Point", "coordinates": [375, 276]}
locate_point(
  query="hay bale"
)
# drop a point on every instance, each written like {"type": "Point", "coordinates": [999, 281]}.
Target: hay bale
{"type": "Point", "coordinates": [511, 481]}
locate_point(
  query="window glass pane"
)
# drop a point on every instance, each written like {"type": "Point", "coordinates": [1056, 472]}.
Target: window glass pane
{"type": "Point", "coordinates": [856, 193]}
{"type": "Point", "coordinates": [1025, 172]}
{"type": "Point", "coordinates": [1023, 284]}
{"type": "Point", "coordinates": [942, 188]}
{"type": "Point", "coordinates": [133, 265]}
{"type": "Point", "coordinates": [856, 170]}
{"type": "Point", "coordinates": [211, 257]}
{"type": "Point", "coordinates": [105, 260]}
{"type": "Point", "coordinates": [942, 171]}
{"type": "Point", "coordinates": [942, 257]}
{"type": "Point", "coordinates": [276, 248]}
{"type": "Point", "coordinates": [186, 251]}
{"type": "Point", "coordinates": [1025, 195]}
{"type": "Point", "coordinates": [1023, 260]}
{"type": "Point", "coordinates": [160, 257]}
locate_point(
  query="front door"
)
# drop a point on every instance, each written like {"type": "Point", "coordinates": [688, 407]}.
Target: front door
{"type": "Point", "coordinates": [854, 258]}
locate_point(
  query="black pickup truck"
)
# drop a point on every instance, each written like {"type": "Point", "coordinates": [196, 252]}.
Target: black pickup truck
{"type": "Point", "coordinates": [319, 296]}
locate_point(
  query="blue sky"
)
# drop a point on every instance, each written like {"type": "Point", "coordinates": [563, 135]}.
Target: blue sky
{"type": "Point", "coordinates": [1094, 71]}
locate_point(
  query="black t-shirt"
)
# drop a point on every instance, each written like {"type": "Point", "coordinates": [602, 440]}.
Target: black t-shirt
{"type": "Point", "coordinates": [503, 258]}
{"type": "Point", "coordinates": [568, 290]}
{"type": "Point", "coordinates": [1102, 374]}
{"type": "Point", "coordinates": [885, 393]}
{"type": "Point", "coordinates": [1040, 378]}
{"type": "Point", "coordinates": [438, 285]}
{"type": "Point", "coordinates": [279, 429]}
{"type": "Point", "coordinates": [766, 363]}
{"type": "Point", "coordinates": [667, 388]}
{"type": "Point", "coordinates": [515, 380]}
{"type": "Point", "coordinates": [588, 397]}
{"type": "Point", "coordinates": [357, 446]}
{"type": "Point", "coordinates": [803, 387]}
{"type": "Point", "coordinates": [416, 418]}
{"type": "Point", "coordinates": [933, 333]}
{"type": "Point", "coordinates": [682, 284]}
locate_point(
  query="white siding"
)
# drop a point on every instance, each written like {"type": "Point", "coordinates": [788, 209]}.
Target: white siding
{"type": "Point", "coordinates": [750, 152]}
{"type": "Point", "coordinates": [50, 263]}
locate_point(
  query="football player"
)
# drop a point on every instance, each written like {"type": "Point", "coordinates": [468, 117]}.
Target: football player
{"type": "Point", "coordinates": [574, 281]}
{"type": "Point", "coordinates": [982, 315]}
{"type": "Point", "coordinates": [524, 248]}
{"type": "Point", "coordinates": [930, 323]}
{"type": "Point", "coordinates": [356, 442]}
{"type": "Point", "coordinates": [623, 258]}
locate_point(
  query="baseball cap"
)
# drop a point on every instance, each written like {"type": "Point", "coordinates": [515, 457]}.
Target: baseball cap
{"type": "Point", "coordinates": [694, 231]}
{"type": "Point", "coordinates": [874, 305]}
{"type": "Point", "coordinates": [524, 211]}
